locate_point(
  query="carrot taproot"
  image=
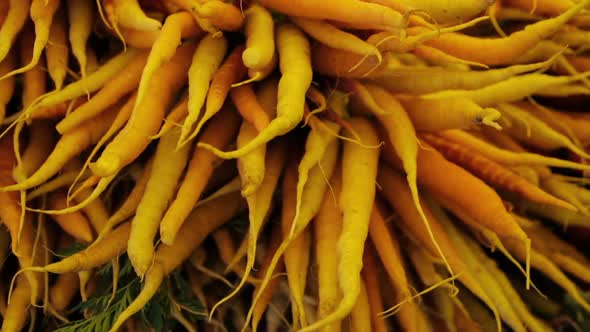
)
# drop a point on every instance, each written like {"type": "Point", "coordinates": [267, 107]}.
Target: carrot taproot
{"type": "Point", "coordinates": [416, 80]}
{"type": "Point", "coordinates": [38, 148]}
{"type": "Point", "coordinates": [206, 60]}
{"type": "Point", "coordinates": [248, 106]}
{"type": "Point", "coordinates": [203, 220]}
{"type": "Point", "coordinates": [500, 51]}
{"type": "Point", "coordinates": [41, 13]}
{"type": "Point", "coordinates": [334, 62]}
{"type": "Point", "coordinates": [224, 241]}
{"type": "Point", "coordinates": [81, 18]}
{"type": "Point", "coordinates": [350, 11]}
{"type": "Point", "coordinates": [34, 84]}
{"type": "Point", "coordinates": [230, 72]}
{"type": "Point", "coordinates": [448, 113]}
{"type": "Point", "coordinates": [444, 14]}
{"type": "Point", "coordinates": [327, 228]}
{"type": "Point", "coordinates": [17, 309]}
{"type": "Point", "coordinates": [251, 166]}
{"type": "Point", "coordinates": [135, 136]}
{"type": "Point", "coordinates": [265, 295]}
{"type": "Point", "coordinates": [222, 15]}
{"type": "Point", "coordinates": [93, 208]}
{"type": "Point", "coordinates": [370, 274]}
{"type": "Point", "coordinates": [57, 50]}
{"type": "Point", "coordinates": [167, 168]}
{"type": "Point", "coordinates": [356, 212]}
{"type": "Point", "coordinates": [360, 316]}
{"type": "Point", "coordinates": [219, 132]}
{"type": "Point", "coordinates": [63, 291]}
{"type": "Point", "coordinates": [75, 223]}
{"type": "Point", "coordinates": [18, 12]}
{"type": "Point", "coordinates": [129, 14]}
{"type": "Point", "coordinates": [7, 86]}
{"type": "Point", "coordinates": [259, 204]}
{"type": "Point", "coordinates": [295, 80]}
{"type": "Point", "coordinates": [542, 7]}
{"type": "Point", "coordinates": [260, 42]}
{"type": "Point", "coordinates": [493, 173]}
{"type": "Point", "coordinates": [176, 115]}
{"type": "Point", "coordinates": [437, 57]}
{"type": "Point", "coordinates": [504, 156]}
{"type": "Point", "coordinates": [400, 198]}
{"type": "Point", "coordinates": [565, 191]}
{"type": "Point", "coordinates": [67, 147]}
{"type": "Point", "coordinates": [119, 86]}
{"type": "Point", "coordinates": [335, 38]}
{"type": "Point", "coordinates": [532, 130]}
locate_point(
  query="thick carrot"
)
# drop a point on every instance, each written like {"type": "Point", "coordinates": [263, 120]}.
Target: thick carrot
{"type": "Point", "coordinates": [449, 113]}
{"type": "Point", "coordinates": [57, 50]}
{"type": "Point", "coordinates": [18, 12]}
{"type": "Point", "coordinates": [129, 14]}
{"type": "Point", "coordinates": [248, 106]}
{"type": "Point", "coordinates": [203, 220]}
{"type": "Point", "coordinates": [67, 147]}
{"type": "Point", "coordinates": [206, 60]}
{"type": "Point", "coordinates": [498, 51]}
{"type": "Point", "coordinates": [222, 15]}
{"type": "Point", "coordinates": [356, 211]}
{"type": "Point", "coordinates": [260, 43]}
{"type": "Point", "coordinates": [147, 116]}
{"type": "Point", "coordinates": [220, 132]}
{"type": "Point", "coordinates": [493, 173]}
{"type": "Point", "coordinates": [17, 308]}
{"type": "Point", "coordinates": [119, 86]}
{"type": "Point", "coordinates": [167, 168]}
{"type": "Point", "coordinates": [41, 12]}
{"type": "Point", "coordinates": [75, 223]}
{"type": "Point", "coordinates": [349, 11]}
{"type": "Point", "coordinates": [295, 80]}
{"type": "Point", "coordinates": [251, 166]}
{"type": "Point", "coordinates": [230, 72]}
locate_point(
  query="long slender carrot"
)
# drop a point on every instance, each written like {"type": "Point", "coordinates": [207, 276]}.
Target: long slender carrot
{"type": "Point", "coordinates": [167, 168]}
{"type": "Point", "coordinates": [219, 132]}
{"type": "Point", "coordinates": [7, 85]}
{"type": "Point", "coordinates": [80, 17]}
{"type": "Point", "coordinates": [57, 50]}
{"type": "Point", "coordinates": [370, 274]}
{"type": "Point", "coordinates": [74, 223]}
{"type": "Point", "coordinates": [493, 173]}
{"type": "Point", "coordinates": [125, 82]}
{"type": "Point", "coordinates": [41, 140]}
{"type": "Point", "coordinates": [250, 109]}
{"type": "Point", "coordinates": [295, 80]}
{"type": "Point", "coordinates": [34, 84]}
{"type": "Point", "coordinates": [176, 115]}
{"type": "Point", "coordinates": [63, 291]}
{"type": "Point", "coordinates": [202, 221]}
{"type": "Point", "coordinates": [18, 12]}
{"type": "Point", "coordinates": [356, 212]}
{"type": "Point", "coordinates": [135, 136]}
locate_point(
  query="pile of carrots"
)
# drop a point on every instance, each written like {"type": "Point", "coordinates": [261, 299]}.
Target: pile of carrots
{"type": "Point", "coordinates": [274, 165]}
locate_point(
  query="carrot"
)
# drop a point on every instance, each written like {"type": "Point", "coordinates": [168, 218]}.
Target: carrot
{"type": "Point", "coordinates": [249, 107]}
{"type": "Point", "coordinates": [135, 136]}
{"type": "Point", "coordinates": [507, 157]}
{"type": "Point", "coordinates": [224, 16]}
{"type": "Point", "coordinates": [203, 220]}
{"type": "Point", "coordinates": [439, 58]}
{"type": "Point", "coordinates": [566, 191]}
{"type": "Point", "coordinates": [336, 38]}
{"type": "Point", "coordinates": [356, 214]}
{"type": "Point", "coordinates": [370, 274]}
{"type": "Point", "coordinates": [349, 11]}
{"type": "Point", "coordinates": [448, 113]}
{"type": "Point", "coordinates": [7, 85]}
{"type": "Point", "coordinates": [295, 80]}
{"type": "Point", "coordinates": [166, 171]}
{"type": "Point", "coordinates": [409, 221]}
{"type": "Point", "coordinates": [93, 208]}
{"type": "Point", "coordinates": [40, 144]}
{"type": "Point", "coordinates": [334, 62]}
{"type": "Point", "coordinates": [499, 51]}
{"type": "Point", "coordinates": [219, 132]}
{"type": "Point", "coordinates": [493, 173]}
{"type": "Point", "coordinates": [250, 166]}
{"type": "Point", "coordinates": [388, 249]}
{"type": "Point", "coordinates": [18, 12]}
{"type": "Point", "coordinates": [129, 14]}
{"type": "Point", "coordinates": [42, 15]}
{"type": "Point", "coordinates": [81, 18]}
{"type": "Point", "coordinates": [17, 308]}
{"type": "Point", "coordinates": [542, 7]}
{"type": "Point", "coordinates": [57, 51]}
{"type": "Point", "coordinates": [206, 60]}
{"type": "Point", "coordinates": [230, 72]}
{"type": "Point", "coordinates": [259, 204]}
{"type": "Point", "coordinates": [327, 229]}
{"type": "Point", "coordinates": [63, 291]}
{"type": "Point", "coordinates": [445, 14]}
{"type": "Point", "coordinates": [177, 114]}
{"type": "Point", "coordinates": [67, 147]}
{"type": "Point", "coordinates": [75, 223]}
{"type": "Point", "coordinates": [224, 241]}
{"type": "Point", "coordinates": [260, 42]}
{"type": "Point", "coordinates": [536, 132]}
{"type": "Point", "coordinates": [265, 295]}
{"type": "Point", "coordinates": [432, 79]}
{"type": "Point", "coordinates": [163, 50]}
{"type": "Point", "coordinates": [34, 79]}
{"type": "Point", "coordinates": [119, 86]}
{"type": "Point", "coordinates": [360, 316]}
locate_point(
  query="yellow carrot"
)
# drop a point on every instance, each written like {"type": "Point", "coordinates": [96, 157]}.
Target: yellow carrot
{"type": "Point", "coordinates": [18, 12]}
{"type": "Point", "coordinates": [57, 50]}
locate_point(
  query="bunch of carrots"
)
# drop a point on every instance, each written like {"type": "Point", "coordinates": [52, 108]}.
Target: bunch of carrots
{"type": "Point", "coordinates": [351, 165]}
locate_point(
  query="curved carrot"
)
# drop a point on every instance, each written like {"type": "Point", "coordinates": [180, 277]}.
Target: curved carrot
{"type": "Point", "coordinates": [129, 14]}
{"type": "Point", "coordinates": [18, 12]}
{"type": "Point", "coordinates": [248, 106]}
{"type": "Point", "coordinates": [81, 18]}
{"type": "Point", "coordinates": [222, 15]}
{"type": "Point", "coordinates": [260, 42]}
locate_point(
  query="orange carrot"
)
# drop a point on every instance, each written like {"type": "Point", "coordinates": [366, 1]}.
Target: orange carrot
{"type": "Point", "coordinates": [74, 223]}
